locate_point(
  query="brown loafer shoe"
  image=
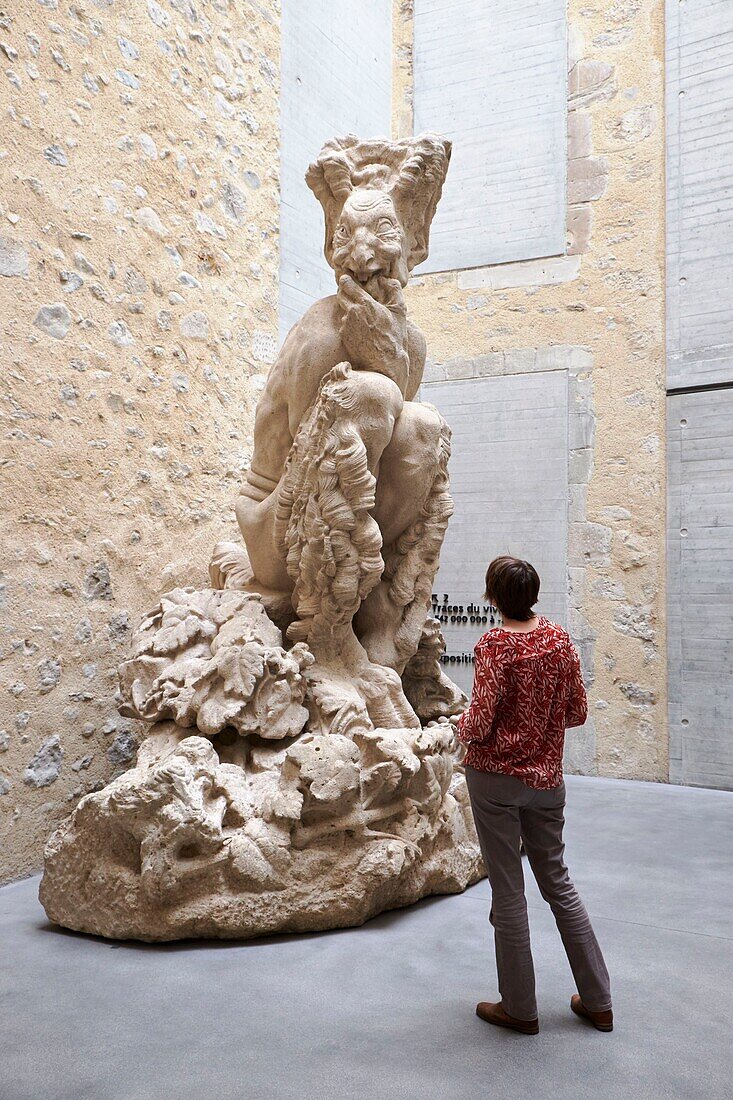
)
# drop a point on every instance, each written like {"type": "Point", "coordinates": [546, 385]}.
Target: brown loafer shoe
{"type": "Point", "coordinates": [602, 1021]}
{"type": "Point", "coordinates": [495, 1014]}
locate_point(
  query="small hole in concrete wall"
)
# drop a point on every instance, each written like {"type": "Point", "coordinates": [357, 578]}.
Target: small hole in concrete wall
{"type": "Point", "coordinates": [683, 421]}
{"type": "Point", "coordinates": [683, 531]}
{"type": "Point", "coordinates": [684, 722]}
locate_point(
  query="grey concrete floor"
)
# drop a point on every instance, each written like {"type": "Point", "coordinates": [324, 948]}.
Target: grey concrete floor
{"type": "Point", "coordinates": [386, 1011]}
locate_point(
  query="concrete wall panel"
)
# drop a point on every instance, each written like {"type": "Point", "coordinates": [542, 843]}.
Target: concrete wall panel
{"type": "Point", "coordinates": [509, 481]}
{"type": "Point", "coordinates": [336, 79]}
{"type": "Point", "coordinates": [700, 567]}
{"type": "Point", "coordinates": [699, 192]}
{"type": "Point", "coordinates": [493, 77]}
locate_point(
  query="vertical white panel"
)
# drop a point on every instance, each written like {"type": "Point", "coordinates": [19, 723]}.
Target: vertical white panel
{"type": "Point", "coordinates": [700, 354]}
{"type": "Point", "coordinates": [509, 482]}
{"type": "Point", "coordinates": [699, 192]}
{"type": "Point", "coordinates": [493, 77]}
{"type": "Point", "coordinates": [700, 588]}
{"type": "Point", "coordinates": [336, 79]}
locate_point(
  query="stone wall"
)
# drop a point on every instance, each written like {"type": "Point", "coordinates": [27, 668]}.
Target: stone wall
{"type": "Point", "coordinates": [138, 274]}
{"type": "Point", "coordinates": [138, 290]}
{"type": "Point", "coordinates": [601, 304]}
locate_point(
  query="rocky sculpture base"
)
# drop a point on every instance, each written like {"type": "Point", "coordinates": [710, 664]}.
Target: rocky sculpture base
{"type": "Point", "coordinates": [293, 811]}
{"type": "Point", "coordinates": [234, 842]}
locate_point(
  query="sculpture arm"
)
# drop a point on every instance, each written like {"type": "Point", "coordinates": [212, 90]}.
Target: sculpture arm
{"type": "Point", "coordinates": [374, 327]}
{"type": "Point", "coordinates": [272, 442]}
{"type": "Point", "coordinates": [417, 351]}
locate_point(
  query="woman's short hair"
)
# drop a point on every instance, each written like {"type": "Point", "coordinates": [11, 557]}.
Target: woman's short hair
{"type": "Point", "coordinates": [513, 586]}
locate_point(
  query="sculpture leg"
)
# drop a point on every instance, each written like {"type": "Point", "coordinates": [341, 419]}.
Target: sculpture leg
{"type": "Point", "coordinates": [316, 531]}
{"type": "Point", "coordinates": [368, 404]}
{"type": "Point", "coordinates": [354, 530]}
{"type": "Point", "coordinates": [412, 509]}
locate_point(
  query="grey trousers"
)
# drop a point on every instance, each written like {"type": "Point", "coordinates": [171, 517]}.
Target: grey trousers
{"type": "Point", "coordinates": [504, 809]}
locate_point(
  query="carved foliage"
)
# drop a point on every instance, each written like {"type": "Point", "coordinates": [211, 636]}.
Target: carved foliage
{"type": "Point", "coordinates": [214, 659]}
{"type": "Point", "coordinates": [297, 825]}
{"type": "Point", "coordinates": [431, 693]}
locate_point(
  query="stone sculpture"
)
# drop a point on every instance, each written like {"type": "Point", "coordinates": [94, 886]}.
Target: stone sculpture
{"type": "Point", "coordinates": [301, 770]}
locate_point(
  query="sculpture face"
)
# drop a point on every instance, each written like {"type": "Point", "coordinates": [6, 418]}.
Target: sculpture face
{"type": "Point", "coordinates": [369, 239]}
{"type": "Point", "coordinates": [378, 198]}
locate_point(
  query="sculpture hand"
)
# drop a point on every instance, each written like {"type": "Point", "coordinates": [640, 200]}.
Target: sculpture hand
{"type": "Point", "coordinates": [374, 326]}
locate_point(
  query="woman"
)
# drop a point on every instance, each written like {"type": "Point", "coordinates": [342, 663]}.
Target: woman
{"type": "Point", "coordinates": [527, 689]}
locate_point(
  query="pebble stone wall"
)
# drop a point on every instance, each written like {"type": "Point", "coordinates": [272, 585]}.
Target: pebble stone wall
{"type": "Point", "coordinates": [138, 281]}
{"type": "Point", "coordinates": [138, 302]}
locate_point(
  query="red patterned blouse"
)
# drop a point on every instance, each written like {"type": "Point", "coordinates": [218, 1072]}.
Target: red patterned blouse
{"type": "Point", "coordinates": [527, 689]}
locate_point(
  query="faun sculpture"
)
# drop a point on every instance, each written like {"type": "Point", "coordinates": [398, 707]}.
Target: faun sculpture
{"type": "Point", "coordinates": [300, 773]}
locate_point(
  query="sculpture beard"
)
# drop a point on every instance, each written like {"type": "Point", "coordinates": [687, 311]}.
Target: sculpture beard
{"type": "Point", "coordinates": [321, 786]}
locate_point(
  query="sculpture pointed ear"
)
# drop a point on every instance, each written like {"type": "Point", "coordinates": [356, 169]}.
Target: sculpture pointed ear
{"type": "Point", "coordinates": [329, 178]}
{"type": "Point", "coordinates": [417, 190]}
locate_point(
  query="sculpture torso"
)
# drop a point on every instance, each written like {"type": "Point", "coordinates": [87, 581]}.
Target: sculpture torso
{"type": "Point", "coordinates": [312, 348]}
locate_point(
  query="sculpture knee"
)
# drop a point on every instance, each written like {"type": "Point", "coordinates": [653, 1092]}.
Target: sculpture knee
{"type": "Point", "coordinates": [375, 404]}
{"type": "Point", "coordinates": [416, 443]}
{"type": "Point", "coordinates": [425, 426]}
